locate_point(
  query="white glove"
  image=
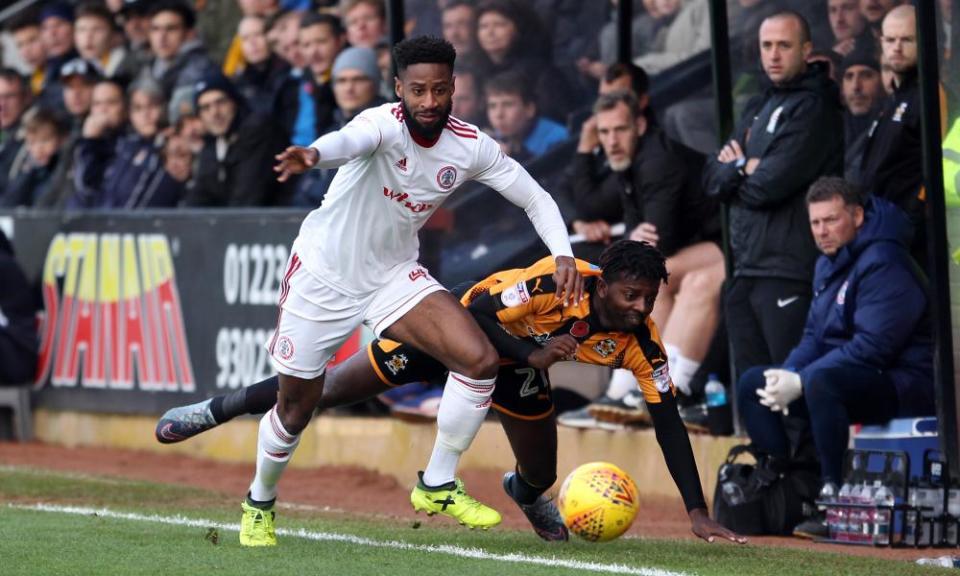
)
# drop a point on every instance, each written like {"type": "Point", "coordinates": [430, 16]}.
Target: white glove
{"type": "Point", "coordinates": [783, 387]}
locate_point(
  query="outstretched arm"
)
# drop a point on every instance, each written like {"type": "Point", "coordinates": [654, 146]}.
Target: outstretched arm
{"type": "Point", "coordinates": [675, 444]}
{"type": "Point", "coordinates": [360, 137]}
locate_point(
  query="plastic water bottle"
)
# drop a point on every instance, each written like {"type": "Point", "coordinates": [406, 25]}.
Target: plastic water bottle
{"type": "Point", "coordinates": [828, 495]}
{"type": "Point", "coordinates": [843, 513]}
{"type": "Point", "coordinates": [953, 508]}
{"type": "Point", "coordinates": [719, 417]}
{"type": "Point", "coordinates": [866, 514]}
{"type": "Point", "coordinates": [715, 391]}
{"type": "Point", "coordinates": [882, 498]}
{"type": "Point", "coordinates": [858, 524]}
{"type": "Point", "coordinates": [912, 518]}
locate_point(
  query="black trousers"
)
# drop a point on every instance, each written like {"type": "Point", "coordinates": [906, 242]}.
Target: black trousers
{"type": "Point", "coordinates": [765, 319]}
{"type": "Point", "coordinates": [17, 364]}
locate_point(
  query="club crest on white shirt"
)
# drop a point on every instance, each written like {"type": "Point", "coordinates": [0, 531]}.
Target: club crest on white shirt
{"type": "Point", "coordinates": [447, 177]}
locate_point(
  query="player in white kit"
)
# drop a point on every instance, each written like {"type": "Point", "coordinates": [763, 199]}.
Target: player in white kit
{"type": "Point", "coordinates": [355, 261]}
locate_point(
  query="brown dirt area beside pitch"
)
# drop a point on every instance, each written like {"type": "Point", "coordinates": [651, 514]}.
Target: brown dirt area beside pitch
{"type": "Point", "coordinates": [370, 493]}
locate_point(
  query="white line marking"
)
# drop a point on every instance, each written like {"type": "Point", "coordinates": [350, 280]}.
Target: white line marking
{"type": "Point", "coordinates": [475, 553]}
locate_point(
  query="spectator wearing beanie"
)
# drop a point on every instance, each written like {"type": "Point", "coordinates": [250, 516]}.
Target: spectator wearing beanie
{"type": "Point", "coordinates": [355, 80]}
{"type": "Point", "coordinates": [56, 35]}
{"type": "Point", "coordinates": [235, 165]}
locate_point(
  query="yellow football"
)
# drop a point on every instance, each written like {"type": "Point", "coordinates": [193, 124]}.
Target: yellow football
{"type": "Point", "coordinates": [598, 501]}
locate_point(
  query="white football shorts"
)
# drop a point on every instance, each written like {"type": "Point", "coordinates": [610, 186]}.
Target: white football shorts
{"type": "Point", "coordinates": [316, 319]}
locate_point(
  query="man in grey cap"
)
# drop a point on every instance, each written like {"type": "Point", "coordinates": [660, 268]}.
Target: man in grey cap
{"type": "Point", "coordinates": [863, 98]}
{"type": "Point", "coordinates": [355, 81]}
{"type": "Point", "coordinates": [355, 77]}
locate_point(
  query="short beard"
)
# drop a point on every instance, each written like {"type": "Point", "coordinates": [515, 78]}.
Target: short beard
{"type": "Point", "coordinates": [621, 166]}
{"type": "Point", "coordinates": [421, 130]}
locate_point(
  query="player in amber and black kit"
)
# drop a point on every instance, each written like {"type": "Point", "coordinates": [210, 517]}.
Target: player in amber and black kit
{"type": "Point", "coordinates": [531, 329]}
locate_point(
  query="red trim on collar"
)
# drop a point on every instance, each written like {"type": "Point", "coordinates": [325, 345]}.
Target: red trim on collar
{"type": "Point", "coordinates": [420, 140]}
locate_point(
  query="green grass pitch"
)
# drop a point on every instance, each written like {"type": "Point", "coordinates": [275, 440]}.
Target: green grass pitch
{"type": "Point", "coordinates": [54, 523]}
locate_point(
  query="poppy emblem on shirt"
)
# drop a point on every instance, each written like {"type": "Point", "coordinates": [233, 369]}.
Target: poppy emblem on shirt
{"type": "Point", "coordinates": [579, 329]}
{"type": "Point", "coordinates": [447, 177]}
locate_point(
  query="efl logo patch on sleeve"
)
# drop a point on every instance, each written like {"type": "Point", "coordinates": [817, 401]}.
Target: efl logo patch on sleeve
{"type": "Point", "coordinates": [515, 295]}
{"type": "Point", "coordinates": [661, 378]}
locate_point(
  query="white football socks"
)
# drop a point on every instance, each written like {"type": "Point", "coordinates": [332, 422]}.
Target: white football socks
{"type": "Point", "coordinates": [462, 409]}
{"type": "Point", "coordinates": [275, 446]}
{"type": "Point", "coordinates": [682, 369]}
{"type": "Point", "coordinates": [621, 382]}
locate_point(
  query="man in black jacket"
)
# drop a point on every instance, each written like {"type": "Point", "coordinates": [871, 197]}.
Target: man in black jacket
{"type": "Point", "coordinates": [658, 183]}
{"type": "Point", "coordinates": [863, 97]}
{"type": "Point", "coordinates": [235, 164]}
{"type": "Point", "coordinates": [14, 100]}
{"type": "Point", "coordinates": [891, 166]}
{"type": "Point", "coordinates": [18, 334]}
{"type": "Point", "coordinates": [592, 187]}
{"type": "Point", "coordinates": [789, 136]}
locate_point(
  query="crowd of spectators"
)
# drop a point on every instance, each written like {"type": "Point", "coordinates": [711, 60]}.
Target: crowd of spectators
{"type": "Point", "coordinates": [276, 71]}
{"type": "Point", "coordinates": [124, 104]}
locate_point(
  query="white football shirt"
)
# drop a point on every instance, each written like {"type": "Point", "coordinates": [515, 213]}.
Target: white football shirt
{"type": "Point", "coordinates": [387, 187]}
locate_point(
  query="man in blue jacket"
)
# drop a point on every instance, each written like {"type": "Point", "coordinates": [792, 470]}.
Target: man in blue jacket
{"type": "Point", "coordinates": [866, 355]}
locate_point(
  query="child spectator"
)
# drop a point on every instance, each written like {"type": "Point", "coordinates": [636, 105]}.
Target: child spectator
{"type": "Point", "coordinates": [512, 112]}
{"type": "Point", "coordinates": [46, 131]}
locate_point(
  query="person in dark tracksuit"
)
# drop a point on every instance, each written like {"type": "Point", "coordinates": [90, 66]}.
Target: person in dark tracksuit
{"type": "Point", "coordinates": [790, 135]}
{"type": "Point", "coordinates": [866, 355]}
{"type": "Point", "coordinates": [892, 166]}
{"type": "Point", "coordinates": [19, 344]}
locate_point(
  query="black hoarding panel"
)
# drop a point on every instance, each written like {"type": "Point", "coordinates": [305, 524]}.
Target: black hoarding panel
{"type": "Point", "coordinates": [143, 312]}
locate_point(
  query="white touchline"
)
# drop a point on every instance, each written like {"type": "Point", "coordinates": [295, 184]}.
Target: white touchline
{"type": "Point", "coordinates": [475, 553]}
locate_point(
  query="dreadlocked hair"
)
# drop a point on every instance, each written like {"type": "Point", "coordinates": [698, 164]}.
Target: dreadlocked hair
{"type": "Point", "coordinates": [633, 260]}
{"type": "Point", "coordinates": [423, 50]}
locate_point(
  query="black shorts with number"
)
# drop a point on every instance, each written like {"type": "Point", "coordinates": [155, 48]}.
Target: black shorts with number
{"type": "Point", "coordinates": [521, 392]}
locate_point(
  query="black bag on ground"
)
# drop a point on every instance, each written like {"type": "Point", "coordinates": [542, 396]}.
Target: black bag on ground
{"type": "Point", "coordinates": [765, 497]}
